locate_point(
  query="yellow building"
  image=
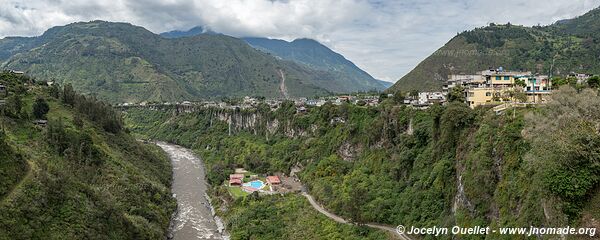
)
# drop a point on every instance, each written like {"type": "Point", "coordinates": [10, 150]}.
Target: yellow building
{"type": "Point", "coordinates": [498, 83]}
{"type": "Point", "coordinates": [479, 96]}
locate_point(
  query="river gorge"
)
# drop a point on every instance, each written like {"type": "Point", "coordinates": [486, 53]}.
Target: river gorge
{"type": "Point", "coordinates": [194, 218]}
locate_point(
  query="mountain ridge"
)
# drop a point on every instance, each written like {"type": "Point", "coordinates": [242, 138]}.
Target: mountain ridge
{"type": "Point", "coordinates": [557, 49]}
{"type": "Point", "coordinates": [121, 62]}
{"type": "Point", "coordinates": [305, 51]}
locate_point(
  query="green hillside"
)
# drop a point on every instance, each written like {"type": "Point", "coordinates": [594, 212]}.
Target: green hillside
{"type": "Point", "coordinates": [78, 176]}
{"type": "Point", "coordinates": [558, 49]}
{"type": "Point", "coordinates": [316, 55]}
{"type": "Point", "coordinates": [119, 62]}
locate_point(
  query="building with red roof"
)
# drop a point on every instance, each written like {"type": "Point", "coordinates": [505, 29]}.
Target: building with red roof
{"type": "Point", "coordinates": [235, 182]}
{"type": "Point", "coordinates": [236, 176]}
{"type": "Point", "coordinates": [236, 179]}
{"type": "Point", "coordinates": [273, 180]}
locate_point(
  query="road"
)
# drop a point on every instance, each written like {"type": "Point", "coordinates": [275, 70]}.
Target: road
{"type": "Point", "coordinates": [339, 219]}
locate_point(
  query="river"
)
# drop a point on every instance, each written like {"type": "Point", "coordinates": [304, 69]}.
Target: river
{"type": "Point", "coordinates": [194, 218]}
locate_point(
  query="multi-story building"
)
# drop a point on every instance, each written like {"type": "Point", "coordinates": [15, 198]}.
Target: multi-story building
{"type": "Point", "coordinates": [538, 88]}
{"type": "Point", "coordinates": [491, 87]}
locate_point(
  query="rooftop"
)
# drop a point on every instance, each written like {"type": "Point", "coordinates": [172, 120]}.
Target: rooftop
{"type": "Point", "coordinates": [236, 176]}
{"type": "Point", "coordinates": [273, 180]}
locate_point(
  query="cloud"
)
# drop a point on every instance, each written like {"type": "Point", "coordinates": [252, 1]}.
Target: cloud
{"type": "Point", "coordinates": [387, 38]}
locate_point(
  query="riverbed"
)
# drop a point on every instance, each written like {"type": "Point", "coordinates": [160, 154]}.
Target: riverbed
{"type": "Point", "coordinates": [194, 218]}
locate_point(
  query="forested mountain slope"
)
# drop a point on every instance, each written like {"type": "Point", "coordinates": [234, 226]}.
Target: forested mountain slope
{"type": "Point", "coordinates": [78, 176]}
{"type": "Point", "coordinates": [318, 56]}
{"type": "Point", "coordinates": [558, 49]}
{"type": "Point", "coordinates": [119, 62]}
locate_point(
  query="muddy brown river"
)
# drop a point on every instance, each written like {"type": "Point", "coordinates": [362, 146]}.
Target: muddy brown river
{"type": "Point", "coordinates": [195, 216]}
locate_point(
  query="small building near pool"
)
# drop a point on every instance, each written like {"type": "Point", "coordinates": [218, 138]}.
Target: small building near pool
{"type": "Point", "coordinates": [235, 182]}
{"type": "Point", "coordinates": [273, 180]}
{"type": "Point", "coordinates": [236, 179]}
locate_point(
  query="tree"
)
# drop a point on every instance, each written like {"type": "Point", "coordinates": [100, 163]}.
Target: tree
{"type": "Point", "coordinates": [40, 108]}
{"type": "Point", "coordinates": [13, 106]}
{"type": "Point", "coordinates": [564, 151]}
{"type": "Point", "coordinates": [457, 94]}
{"type": "Point", "coordinates": [520, 83]}
{"type": "Point", "coordinates": [55, 91]}
{"type": "Point", "coordinates": [398, 97]}
{"type": "Point", "coordinates": [594, 82]}
{"type": "Point", "coordinates": [414, 93]}
{"type": "Point", "coordinates": [69, 95]}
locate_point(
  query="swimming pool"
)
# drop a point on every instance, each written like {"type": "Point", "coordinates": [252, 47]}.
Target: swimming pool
{"type": "Point", "coordinates": [257, 184]}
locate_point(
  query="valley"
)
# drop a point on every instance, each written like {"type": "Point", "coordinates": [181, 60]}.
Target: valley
{"type": "Point", "coordinates": [245, 129]}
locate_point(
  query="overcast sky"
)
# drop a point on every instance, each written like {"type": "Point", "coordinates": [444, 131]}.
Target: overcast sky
{"type": "Point", "coordinates": [387, 38]}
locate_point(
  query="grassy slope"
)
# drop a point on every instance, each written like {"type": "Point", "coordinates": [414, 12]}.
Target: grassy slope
{"type": "Point", "coordinates": [288, 217]}
{"type": "Point", "coordinates": [127, 196]}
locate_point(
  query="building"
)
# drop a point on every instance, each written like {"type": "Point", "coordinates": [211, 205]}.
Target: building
{"type": "Point", "coordinates": [341, 99]}
{"type": "Point", "coordinates": [456, 80]}
{"type": "Point", "coordinates": [538, 88]}
{"type": "Point", "coordinates": [273, 180]}
{"type": "Point", "coordinates": [236, 179]}
{"type": "Point", "coordinates": [301, 109]}
{"type": "Point", "coordinates": [428, 98]}
{"type": "Point", "coordinates": [494, 86]}
{"type": "Point", "coordinates": [40, 122]}
{"type": "Point", "coordinates": [235, 182]}
{"type": "Point", "coordinates": [581, 77]}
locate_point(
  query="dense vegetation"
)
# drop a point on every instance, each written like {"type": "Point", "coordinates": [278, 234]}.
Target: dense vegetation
{"type": "Point", "coordinates": [287, 217]}
{"type": "Point", "coordinates": [395, 165]}
{"type": "Point", "coordinates": [119, 62]}
{"type": "Point", "coordinates": [558, 49]}
{"type": "Point", "coordinates": [78, 176]}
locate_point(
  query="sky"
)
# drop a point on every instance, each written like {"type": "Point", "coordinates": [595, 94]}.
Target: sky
{"type": "Point", "coordinates": [386, 38]}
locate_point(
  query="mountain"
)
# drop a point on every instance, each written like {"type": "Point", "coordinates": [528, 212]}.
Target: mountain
{"type": "Point", "coordinates": [318, 56]}
{"type": "Point", "coordinates": [307, 52]}
{"type": "Point", "coordinates": [558, 49]}
{"type": "Point", "coordinates": [80, 175]}
{"type": "Point", "coordinates": [195, 31]}
{"type": "Point", "coordinates": [121, 62]}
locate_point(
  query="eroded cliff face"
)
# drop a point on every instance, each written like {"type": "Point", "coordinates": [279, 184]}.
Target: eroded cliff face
{"type": "Point", "coordinates": [260, 124]}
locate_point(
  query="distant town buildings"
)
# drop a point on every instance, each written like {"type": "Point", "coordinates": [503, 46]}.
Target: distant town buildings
{"type": "Point", "coordinates": [581, 77]}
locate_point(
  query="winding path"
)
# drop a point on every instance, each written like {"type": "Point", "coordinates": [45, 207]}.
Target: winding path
{"type": "Point", "coordinates": [339, 219]}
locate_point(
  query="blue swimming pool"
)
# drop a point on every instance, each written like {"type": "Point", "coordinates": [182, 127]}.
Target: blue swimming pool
{"type": "Point", "coordinates": [258, 184]}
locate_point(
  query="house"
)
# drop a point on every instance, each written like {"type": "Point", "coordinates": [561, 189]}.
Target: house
{"type": "Point", "coordinates": [236, 176]}
{"type": "Point", "coordinates": [342, 99]}
{"type": "Point", "coordinates": [235, 182]}
{"type": "Point", "coordinates": [273, 180]}
{"type": "Point", "coordinates": [17, 72]}
{"type": "Point", "coordinates": [300, 110]}
{"type": "Point", "coordinates": [236, 179]}
{"type": "Point", "coordinates": [581, 77]}
{"type": "Point", "coordinates": [538, 88]}
{"type": "Point", "coordinates": [40, 122]}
